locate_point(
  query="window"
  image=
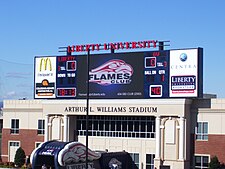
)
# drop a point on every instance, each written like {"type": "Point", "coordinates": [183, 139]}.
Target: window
{"type": "Point", "coordinates": [201, 162]}
{"type": "Point", "coordinates": [37, 144]}
{"type": "Point", "coordinates": [41, 127]}
{"type": "Point", "coordinates": [14, 144]}
{"type": "Point", "coordinates": [150, 161]}
{"type": "Point", "coordinates": [202, 131]}
{"type": "Point", "coordinates": [14, 126]}
{"type": "Point", "coordinates": [135, 158]}
{"type": "Point", "coordinates": [122, 126]}
{"type": "Point", "coordinates": [1, 125]}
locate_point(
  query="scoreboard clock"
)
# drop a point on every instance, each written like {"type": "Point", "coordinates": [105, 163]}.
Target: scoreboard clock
{"type": "Point", "coordinates": [66, 92]}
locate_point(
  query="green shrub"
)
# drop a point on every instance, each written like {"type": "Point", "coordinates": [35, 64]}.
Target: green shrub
{"type": "Point", "coordinates": [20, 156]}
{"type": "Point", "coordinates": [7, 164]}
{"type": "Point", "coordinates": [214, 163]}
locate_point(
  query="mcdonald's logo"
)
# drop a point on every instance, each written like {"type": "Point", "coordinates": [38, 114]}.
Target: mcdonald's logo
{"type": "Point", "coordinates": [45, 64]}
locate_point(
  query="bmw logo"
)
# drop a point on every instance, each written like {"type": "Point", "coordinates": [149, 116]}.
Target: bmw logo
{"type": "Point", "coordinates": [183, 57]}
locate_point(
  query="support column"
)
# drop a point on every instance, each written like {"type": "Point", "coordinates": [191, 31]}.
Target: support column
{"type": "Point", "coordinates": [181, 140]}
{"type": "Point", "coordinates": [158, 138]}
{"type": "Point", "coordinates": [46, 129]}
{"type": "Point", "coordinates": [66, 126]}
{"type": "Point", "coordinates": [59, 127]}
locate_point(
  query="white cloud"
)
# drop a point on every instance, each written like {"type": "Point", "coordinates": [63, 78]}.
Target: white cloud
{"type": "Point", "coordinates": [9, 95]}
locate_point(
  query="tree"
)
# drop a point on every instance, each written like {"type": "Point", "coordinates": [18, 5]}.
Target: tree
{"type": "Point", "coordinates": [20, 156]}
{"type": "Point", "coordinates": [214, 163]}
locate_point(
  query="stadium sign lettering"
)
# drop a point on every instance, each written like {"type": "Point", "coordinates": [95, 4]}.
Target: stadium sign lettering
{"type": "Point", "coordinates": [115, 109]}
{"type": "Point", "coordinates": [113, 46]}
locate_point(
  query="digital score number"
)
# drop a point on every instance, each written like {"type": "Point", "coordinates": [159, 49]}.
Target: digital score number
{"type": "Point", "coordinates": [150, 62]}
{"type": "Point", "coordinates": [66, 92]}
{"type": "Point", "coordinates": [155, 90]}
{"type": "Point", "coordinates": [71, 65]}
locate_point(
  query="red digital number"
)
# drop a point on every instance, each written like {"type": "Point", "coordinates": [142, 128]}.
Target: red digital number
{"type": "Point", "coordinates": [162, 78]}
{"type": "Point", "coordinates": [165, 64]}
{"type": "Point", "coordinates": [62, 92]}
{"type": "Point", "coordinates": [73, 65]}
{"type": "Point", "coordinates": [73, 92]}
{"type": "Point", "coordinates": [156, 54]}
{"type": "Point", "coordinates": [66, 92]}
{"type": "Point", "coordinates": [150, 62]}
{"type": "Point", "coordinates": [156, 90]}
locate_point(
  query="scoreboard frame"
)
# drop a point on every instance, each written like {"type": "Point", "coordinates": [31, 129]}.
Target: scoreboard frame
{"type": "Point", "coordinates": [174, 73]}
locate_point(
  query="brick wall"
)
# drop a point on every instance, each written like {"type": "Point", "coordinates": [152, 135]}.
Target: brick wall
{"type": "Point", "coordinates": [27, 139]}
{"type": "Point", "coordinates": [214, 146]}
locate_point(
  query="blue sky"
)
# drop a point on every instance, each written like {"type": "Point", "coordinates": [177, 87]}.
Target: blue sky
{"type": "Point", "coordinates": [38, 28]}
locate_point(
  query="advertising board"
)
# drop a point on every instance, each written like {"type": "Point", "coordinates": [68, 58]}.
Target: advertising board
{"type": "Point", "coordinates": [45, 77]}
{"type": "Point", "coordinates": [184, 73]}
{"type": "Point", "coordinates": [131, 75]}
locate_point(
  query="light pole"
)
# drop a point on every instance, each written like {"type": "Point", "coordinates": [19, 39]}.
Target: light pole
{"type": "Point", "coordinates": [87, 107]}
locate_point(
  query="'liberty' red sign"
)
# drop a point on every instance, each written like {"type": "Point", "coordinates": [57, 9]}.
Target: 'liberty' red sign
{"type": "Point", "coordinates": [113, 46]}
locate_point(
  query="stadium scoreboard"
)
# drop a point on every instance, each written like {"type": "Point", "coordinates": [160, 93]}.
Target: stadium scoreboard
{"type": "Point", "coordinates": [134, 75]}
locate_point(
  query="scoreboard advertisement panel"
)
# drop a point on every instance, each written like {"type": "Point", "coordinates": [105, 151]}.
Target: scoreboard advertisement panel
{"type": "Point", "coordinates": [45, 77]}
{"type": "Point", "coordinates": [132, 75]}
{"type": "Point", "coordinates": [184, 73]}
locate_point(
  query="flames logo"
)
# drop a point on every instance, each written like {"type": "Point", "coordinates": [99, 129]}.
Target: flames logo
{"type": "Point", "coordinates": [112, 72]}
{"type": "Point", "coordinates": [75, 152]}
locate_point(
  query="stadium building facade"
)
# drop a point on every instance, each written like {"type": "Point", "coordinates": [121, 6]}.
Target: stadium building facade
{"type": "Point", "coordinates": [173, 133]}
